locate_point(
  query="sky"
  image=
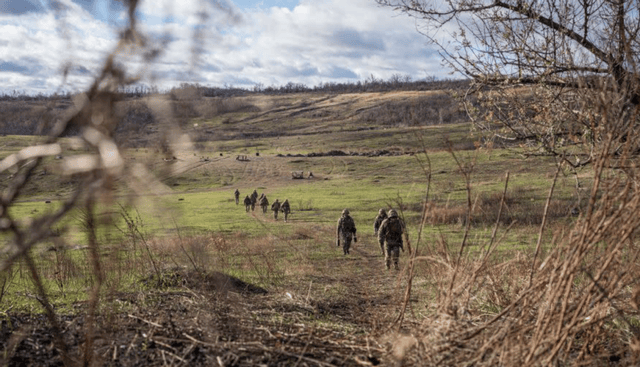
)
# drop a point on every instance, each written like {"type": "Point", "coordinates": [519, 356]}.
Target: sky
{"type": "Point", "coordinates": [218, 43]}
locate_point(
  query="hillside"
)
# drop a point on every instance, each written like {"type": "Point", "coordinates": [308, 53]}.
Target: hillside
{"type": "Point", "coordinates": [187, 277]}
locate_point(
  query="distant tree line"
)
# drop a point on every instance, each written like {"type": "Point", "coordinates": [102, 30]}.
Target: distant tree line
{"type": "Point", "coordinates": [396, 82]}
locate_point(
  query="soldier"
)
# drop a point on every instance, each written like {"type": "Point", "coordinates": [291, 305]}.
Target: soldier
{"type": "Point", "coordinates": [247, 203]}
{"type": "Point", "coordinates": [382, 215]}
{"type": "Point", "coordinates": [286, 209]}
{"type": "Point", "coordinates": [264, 203]}
{"type": "Point", "coordinates": [346, 231]}
{"type": "Point", "coordinates": [391, 231]}
{"type": "Point", "coordinates": [276, 208]}
{"type": "Point", "coordinates": [237, 196]}
{"type": "Point", "coordinates": [254, 200]}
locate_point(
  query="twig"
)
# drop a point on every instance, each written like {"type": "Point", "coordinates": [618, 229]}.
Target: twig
{"type": "Point", "coordinates": [542, 225]}
{"type": "Point", "coordinates": [143, 320]}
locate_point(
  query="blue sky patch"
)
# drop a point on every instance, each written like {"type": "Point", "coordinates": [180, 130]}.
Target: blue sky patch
{"type": "Point", "coordinates": [19, 7]}
{"type": "Point", "coordinates": [12, 67]}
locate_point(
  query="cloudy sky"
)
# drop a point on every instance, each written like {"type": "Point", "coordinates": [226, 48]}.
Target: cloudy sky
{"type": "Point", "coordinates": [212, 42]}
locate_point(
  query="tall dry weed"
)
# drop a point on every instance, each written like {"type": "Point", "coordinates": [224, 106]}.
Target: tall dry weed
{"type": "Point", "coordinates": [570, 305]}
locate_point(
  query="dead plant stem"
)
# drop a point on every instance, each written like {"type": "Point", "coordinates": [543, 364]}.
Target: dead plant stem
{"type": "Point", "coordinates": [544, 223]}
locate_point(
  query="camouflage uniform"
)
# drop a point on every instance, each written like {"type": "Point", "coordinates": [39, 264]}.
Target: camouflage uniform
{"type": "Point", "coordinates": [286, 209]}
{"type": "Point", "coordinates": [264, 203]}
{"type": "Point", "coordinates": [276, 208]}
{"type": "Point", "coordinates": [247, 203]}
{"type": "Point", "coordinates": [391, 231]}
{"type": "Point", "coordinates": [382, 215]}
{"type": "Point", "coordinates": [346, 231]}
{"type": "Point", "coordinates": [237, 196]}
{"type": "Point", "coordinates": [254, 200]}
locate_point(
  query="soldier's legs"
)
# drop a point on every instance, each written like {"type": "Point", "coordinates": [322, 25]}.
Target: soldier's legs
{"type": "Point", "coordinates": [387, 256]}
{"type": "Point", "coordinates": [392, 254]}
{"type": "Point", "coordinates": [346, 245]}
{"type": "Point", "coordinates": [286, 216]}
{"type": "Point", "coordinates": [395, 252]}
{"type": "Point", "coordinates": [275, 214]}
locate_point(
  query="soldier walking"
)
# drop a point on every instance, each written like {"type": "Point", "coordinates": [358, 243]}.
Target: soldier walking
{"type": "Point", "coordinates": [247, 203]}
{"type": "Point", "coordinates": [286, 209]}
{"type": "Point", "coordinates": [346, 231]}
{"type": "Point", "coordinates": [391, 231]}
{"type": "Point", "coordinates": [276, 208]}
{"type": "Point", "coordinates": [382, 215]}
{"type": "Point", "coordinates": [237, 196]}
{"type": "Point", "coordinates": [254, 201]}
{"type": "Point", "coordinates": [264, 203]}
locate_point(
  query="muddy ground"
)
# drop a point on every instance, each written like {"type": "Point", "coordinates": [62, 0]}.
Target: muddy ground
{"type": "Point", "coordinates": [217, 320]}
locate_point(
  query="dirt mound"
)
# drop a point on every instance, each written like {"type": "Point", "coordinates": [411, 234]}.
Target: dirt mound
{"type": "Point", "coordinates": [209, 282]}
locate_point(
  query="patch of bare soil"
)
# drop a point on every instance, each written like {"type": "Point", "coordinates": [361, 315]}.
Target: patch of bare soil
{"type": "Point", "coordinates": [214, 320]}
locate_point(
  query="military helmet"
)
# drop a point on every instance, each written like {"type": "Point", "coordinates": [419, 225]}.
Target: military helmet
{"type": "Point", "coordinates": [345, 212]}
{"type": "Point", "coordinates": [381, 212]}
{"type": "Point", "coordinates": [393, 213]}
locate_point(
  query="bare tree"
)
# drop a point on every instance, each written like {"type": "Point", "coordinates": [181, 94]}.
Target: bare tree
{"type": "Point", "coordinates": [551, 67]}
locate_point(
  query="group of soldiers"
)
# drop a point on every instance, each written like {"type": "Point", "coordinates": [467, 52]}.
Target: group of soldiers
{"type": "Point", "coordinates": [388, 228]}
{"type": "Point", "coordinates": [250, 202]}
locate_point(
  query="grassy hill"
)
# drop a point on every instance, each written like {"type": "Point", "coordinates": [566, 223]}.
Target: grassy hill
{"type": "Point", "coordinates": [178, 255]}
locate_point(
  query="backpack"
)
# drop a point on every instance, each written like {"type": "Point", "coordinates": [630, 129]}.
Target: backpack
{"type": "Point", "coordinates": [395, 227]}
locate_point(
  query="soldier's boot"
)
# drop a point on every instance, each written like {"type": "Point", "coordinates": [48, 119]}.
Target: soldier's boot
{"type": "Point", "coordinates": [388, 264]}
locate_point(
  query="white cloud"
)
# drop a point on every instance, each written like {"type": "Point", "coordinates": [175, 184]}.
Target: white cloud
{"type": "Point", "coordinates": [316, 41]}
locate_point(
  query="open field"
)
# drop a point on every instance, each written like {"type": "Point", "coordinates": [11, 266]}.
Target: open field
{"type": "Point", "coordinates": [191, 278]}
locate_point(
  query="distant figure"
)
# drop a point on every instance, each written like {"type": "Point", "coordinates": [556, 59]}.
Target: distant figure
{"type": "Point", "coordinates": [264, 203]}
{"type": "Point", "coordinates": [382, 215]}
{"type": "Point", "coordinates": [346, 231]}
{"type": "Point", "coordinates": [391, 231]}
{"type": "Point", "coordinates": [247, 203]}
{"type": "Point", "coordinates": [276, 208]}
{"type": "Point", "coordinates": [286, 209]}
{"type": "Point", "coordinates": [254, 200]}
{"type": "Point", "coordinates": [237, 196]}
{"type": "Point", "coordinates": [310, 174]}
